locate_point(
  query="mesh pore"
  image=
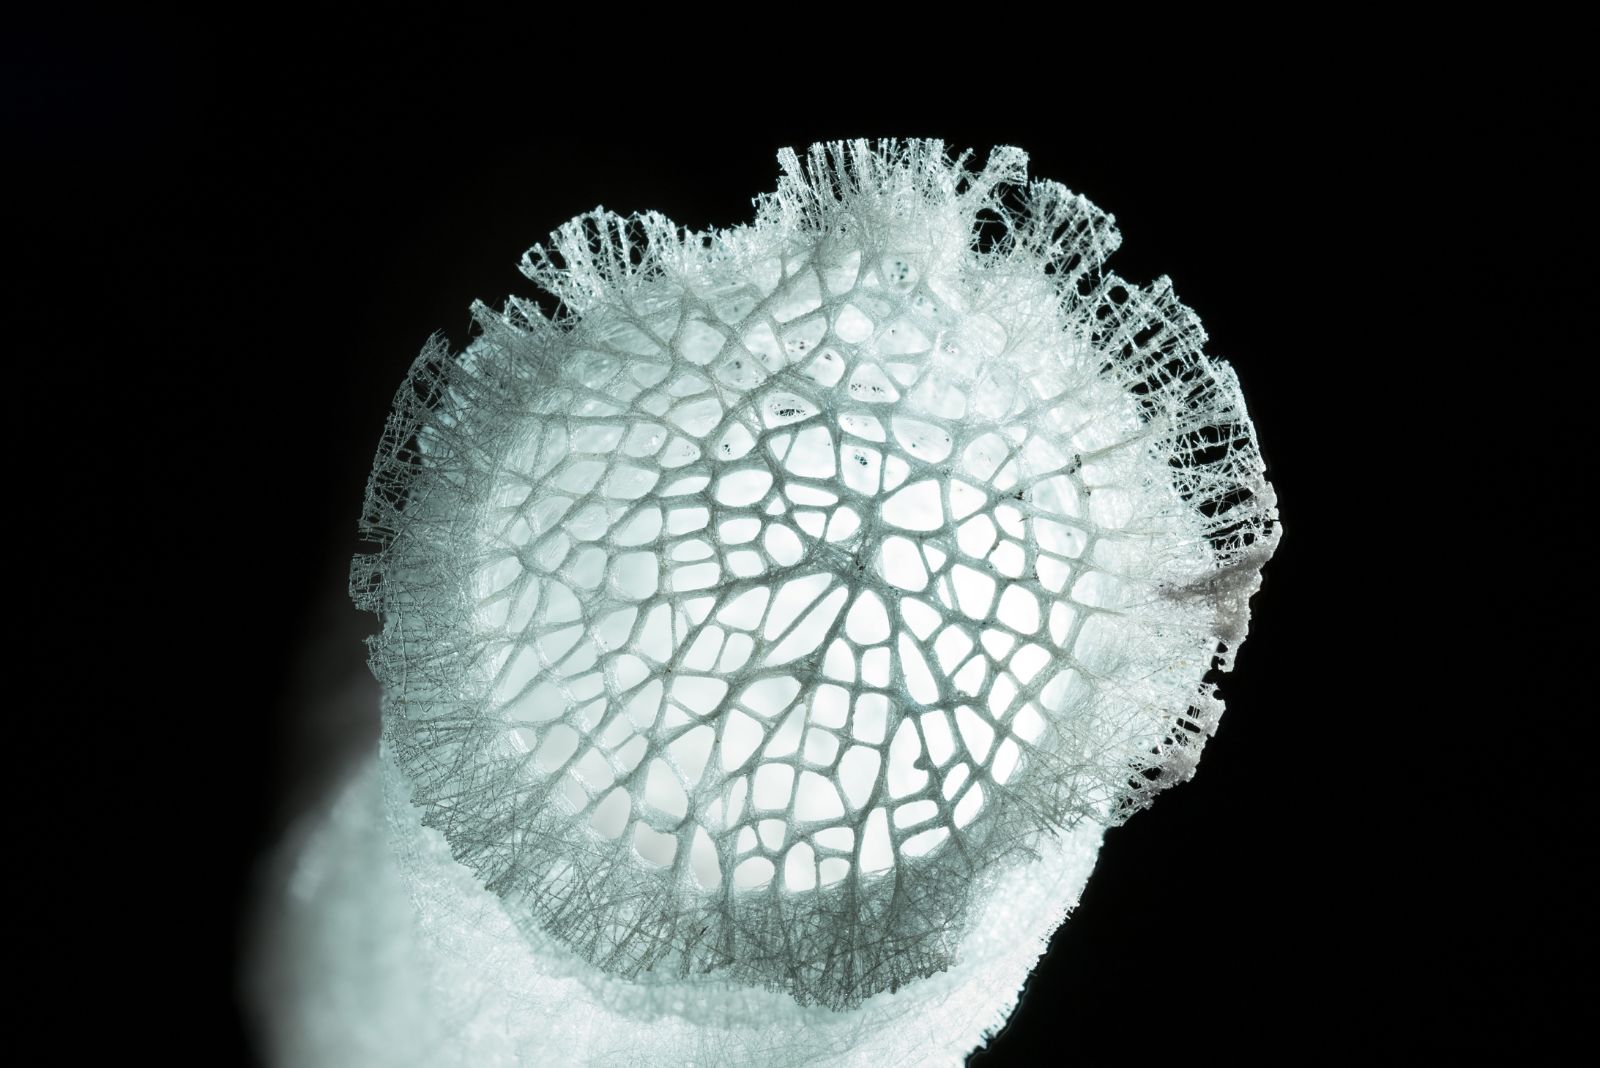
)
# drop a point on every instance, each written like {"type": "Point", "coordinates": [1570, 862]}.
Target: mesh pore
{"type": "Point", "coordinates": [747, 619]}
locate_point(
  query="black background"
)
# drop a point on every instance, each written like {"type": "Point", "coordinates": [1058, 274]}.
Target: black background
{"type": "Point", "coordinates": [1380, 858]}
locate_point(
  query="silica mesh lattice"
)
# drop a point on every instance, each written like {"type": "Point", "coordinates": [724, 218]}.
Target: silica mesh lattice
{"type": "Point", "coordinates": [749, 618]}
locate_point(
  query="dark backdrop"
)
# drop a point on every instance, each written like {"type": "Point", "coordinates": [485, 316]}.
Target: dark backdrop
{"type": "Point", "coordinates": [1379, 858]}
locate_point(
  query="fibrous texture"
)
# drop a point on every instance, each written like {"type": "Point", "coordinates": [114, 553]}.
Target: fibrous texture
{"type": "Point", "coordinates": [760, 628]}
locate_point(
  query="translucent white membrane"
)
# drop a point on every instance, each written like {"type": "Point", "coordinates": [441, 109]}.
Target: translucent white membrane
{"type": "Point", "coordinates": [768, 640]}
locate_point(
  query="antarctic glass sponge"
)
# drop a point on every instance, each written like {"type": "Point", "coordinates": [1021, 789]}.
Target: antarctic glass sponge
{"type": "Point", "coordinates": [770, 635]}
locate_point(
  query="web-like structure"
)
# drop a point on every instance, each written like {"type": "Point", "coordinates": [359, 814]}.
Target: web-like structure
{"type": "Point", "coordinates": [747, 620]}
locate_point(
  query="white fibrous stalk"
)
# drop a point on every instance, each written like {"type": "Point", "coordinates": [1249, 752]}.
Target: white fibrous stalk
{"type": "Point", "coordinates": [770, 635]}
